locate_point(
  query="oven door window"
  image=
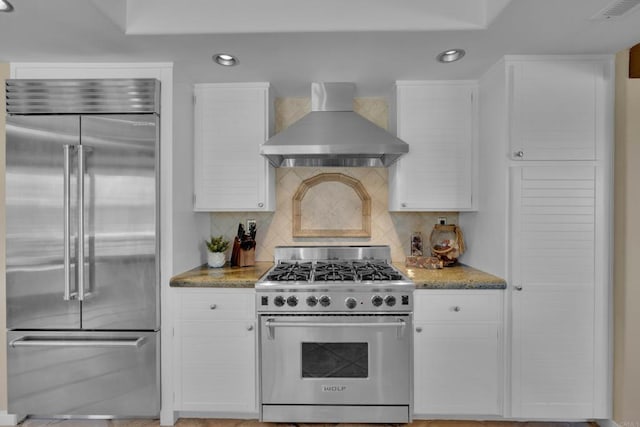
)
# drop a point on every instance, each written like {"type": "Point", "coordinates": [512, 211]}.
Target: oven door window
{"type": "Point", "coordinates": [335, 360]}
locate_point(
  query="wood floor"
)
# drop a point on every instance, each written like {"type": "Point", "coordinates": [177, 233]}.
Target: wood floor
{"type": "Point", "coordinates": [196, 422]}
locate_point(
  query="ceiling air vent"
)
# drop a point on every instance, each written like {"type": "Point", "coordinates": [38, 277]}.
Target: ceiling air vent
{"type": "Point", "coordinates": [617, 9]}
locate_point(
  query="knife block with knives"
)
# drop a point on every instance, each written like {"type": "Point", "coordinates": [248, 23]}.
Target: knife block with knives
{"type": "Point", "coordinates": [243, 253]}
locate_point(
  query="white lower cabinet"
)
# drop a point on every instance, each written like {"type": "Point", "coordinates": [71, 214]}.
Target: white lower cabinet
{"type": "Point", "coordinates": [215, 351]}
{"type": "Point", "coordinates": [458, 352]}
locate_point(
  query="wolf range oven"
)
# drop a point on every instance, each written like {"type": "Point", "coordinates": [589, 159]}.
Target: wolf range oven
{"type": "Point", "coordinates": [335, 336]}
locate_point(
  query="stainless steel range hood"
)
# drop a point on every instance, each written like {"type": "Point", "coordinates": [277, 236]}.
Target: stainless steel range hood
{"type": "Point", "coordinates": [333, 135]}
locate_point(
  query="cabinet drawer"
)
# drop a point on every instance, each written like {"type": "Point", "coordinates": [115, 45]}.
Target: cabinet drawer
{"type": "Point", "coordinates": [217, 304]}
{"type": "Point", "coordinates": [481, 306]}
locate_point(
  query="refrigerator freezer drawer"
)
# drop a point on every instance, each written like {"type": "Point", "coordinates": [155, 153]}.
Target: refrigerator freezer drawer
{"type": "Point", "coordinates": [83, 373]}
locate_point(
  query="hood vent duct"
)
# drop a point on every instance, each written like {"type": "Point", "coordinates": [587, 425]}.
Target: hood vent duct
{"type": "Point", "coordinates": [333, 135]}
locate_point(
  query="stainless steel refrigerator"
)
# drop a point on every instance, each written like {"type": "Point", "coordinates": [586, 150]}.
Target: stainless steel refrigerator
{"type": "Point", "coordinates": [82, 247]}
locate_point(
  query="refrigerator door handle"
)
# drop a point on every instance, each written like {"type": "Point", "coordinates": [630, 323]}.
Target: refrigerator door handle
{"type": "Point", "coordinates": [80, 244]}
{"type": "Point", "coordinates": [67, 222]}
{"type": "Point", "coordinates": [26, 341]}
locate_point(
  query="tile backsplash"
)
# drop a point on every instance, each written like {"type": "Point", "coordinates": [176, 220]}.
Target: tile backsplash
{"type": "Point", "coordinates": [275, 228]}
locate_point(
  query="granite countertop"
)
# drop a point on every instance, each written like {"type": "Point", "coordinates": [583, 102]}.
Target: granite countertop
{"type": "Point", "coordinates": [224, 277]}
{"type": "Point", "coordinates": [459, 276]}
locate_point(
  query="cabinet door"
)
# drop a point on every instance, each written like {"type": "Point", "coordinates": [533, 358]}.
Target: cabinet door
{"type": "Point", "coordinates": [457, 352]}
{"type": "Point", "coordinates": [218, 366]}
{"type": "Point", "coordinates": [216, 351]}
{"type": "Point", "coordinates": [231, 121]}
{"type": "Point", "coordinates": [557, 109]}
{"type": "Point", "coordinates": [553, 357]}
{"type": "Point", "coordinates": [438, 122]}
{"type": "Point", "coordinates": [456, 369]}
{"type": "Point", "coordinates": [553, 309]}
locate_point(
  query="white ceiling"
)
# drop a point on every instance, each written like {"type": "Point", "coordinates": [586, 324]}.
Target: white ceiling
{"type": "Point", "coordinates": [291, 43]}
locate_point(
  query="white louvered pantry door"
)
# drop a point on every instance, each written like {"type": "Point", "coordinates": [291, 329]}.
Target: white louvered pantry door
{"type": "Point", "coordinates": [554, 247]}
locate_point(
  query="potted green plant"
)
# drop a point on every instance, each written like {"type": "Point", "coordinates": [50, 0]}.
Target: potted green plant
{"type": "Point", "coordinates": [216, 247]}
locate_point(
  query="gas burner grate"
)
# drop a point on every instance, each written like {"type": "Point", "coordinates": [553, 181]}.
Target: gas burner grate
{"type": "Point", "coordinates": [291, 272]}
{"type": "Point", "coordinates": [334, 276]}
{"type": "Point", "coordinates": [333, 272]}
{"type": "Point", "coordinates": [372, 275]}
{"type": "Point", "coordinates": [375, 271]}
{"type": "Point", "coordinates": [330, 271]}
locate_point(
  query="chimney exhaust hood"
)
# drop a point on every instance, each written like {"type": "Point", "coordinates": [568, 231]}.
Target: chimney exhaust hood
{"type": "Point", "coordinates": [332, 134]}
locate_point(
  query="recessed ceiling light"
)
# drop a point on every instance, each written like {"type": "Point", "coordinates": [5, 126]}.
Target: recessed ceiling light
{"type": "Point", "coordinates": [225, 59]}
{"type": "Point", "coordinates": [5, 6]}
{"type": "Point", "coordinates": [451, 55]}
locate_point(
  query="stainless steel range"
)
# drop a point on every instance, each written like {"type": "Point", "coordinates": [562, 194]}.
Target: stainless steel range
{"type": "Point", "coordinates": [335, 336]}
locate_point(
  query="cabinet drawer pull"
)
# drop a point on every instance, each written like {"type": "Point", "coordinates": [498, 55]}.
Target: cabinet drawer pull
{"type": "Point", "coordinates": [213, 306]}
{"type": "Point", "coordinates": [457, 308]}
{"type": "Point", "coordinates": [517, 288]}
{"type": "Point", "coordinates": [418, 329]}
{"type": "Point", "coordinates": [260, 204]}
{"type": "Point", "coordinates": [250, 328]}
{"type": "Point", "coordinates": [519, 154]}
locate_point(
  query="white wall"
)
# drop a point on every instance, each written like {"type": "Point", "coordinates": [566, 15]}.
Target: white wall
{"type": "Point", "coordinates": [190, 229]}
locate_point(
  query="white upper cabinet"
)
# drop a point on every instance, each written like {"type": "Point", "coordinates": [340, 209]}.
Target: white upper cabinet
{"type": "Point", "coordinates": [231, 121]}
{"type": "Point", "coordinates": [438, 121]}
{"type": "Point", "coordinates": [556, 108]}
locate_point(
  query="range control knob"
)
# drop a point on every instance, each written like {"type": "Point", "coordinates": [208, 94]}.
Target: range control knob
{"type": "Point", "coordinates": [278, 301]}
{"type": "Point", "coordinates": [325, 300]}
{"type": "Point", "coordinates": [351, 302]}
{"type": "Point", "coordinates": [312, 301]}
{"type": "Point", "coordinates": [390, 300]}
{"type": "Point", "coordinates": [292, 301]}
{"type": "Point", "coordinates": [376, 300]}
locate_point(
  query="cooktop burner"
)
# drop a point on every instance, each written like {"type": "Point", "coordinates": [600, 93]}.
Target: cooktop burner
{"type": "Point", "coordinates": [327, 271]}
{"type": "Point", "coordinates": [334, 278]}
{"type": "Point", "coordinates": [332, 271]}
{"type": "Point", "coordinates": [335, 265]}
{"type": "Point", "coordinates": [291, 271]}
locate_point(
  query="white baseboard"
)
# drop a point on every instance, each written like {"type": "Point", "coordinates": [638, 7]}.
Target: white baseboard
{"type": "Point", "coordinates": [8, 419]}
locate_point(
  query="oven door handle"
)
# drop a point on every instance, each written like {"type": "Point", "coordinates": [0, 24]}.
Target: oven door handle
{"type": "Point", "coordinates": [271, 324]}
